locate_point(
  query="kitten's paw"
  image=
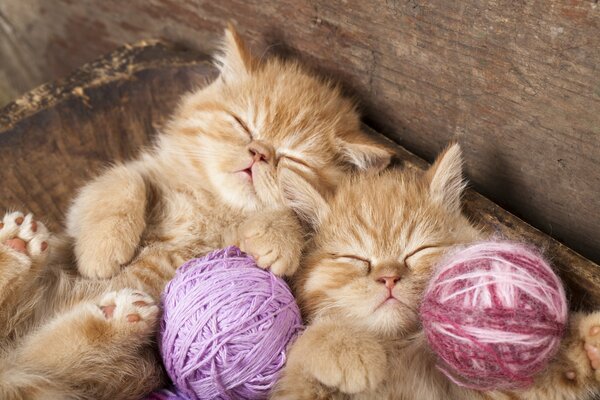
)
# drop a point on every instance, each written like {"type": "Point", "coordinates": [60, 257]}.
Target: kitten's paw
{"type": "Point", "coordinates": [23, 234]}
{"type": "Point", "coordinates": [351, 372]}
{"type": "Point", "coordinates": [346, 360]}
{"type": "Point", "coordinates": [130, 309]}
{"type": "Point", "coordinates": [293, 385]}
{"type": "Point", "coordinates": [275, 243]}
{"type": "Point", "coordinates": [268, 253]}
{"type": "Point", "coordinates": [102, 256]}
{"type": "Point", "coordinates": [589, 329]}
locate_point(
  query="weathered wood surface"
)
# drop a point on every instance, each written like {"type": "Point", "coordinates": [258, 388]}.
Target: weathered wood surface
{"type": "Point", "coordinates": [59, 135]}
{"type": "Point", "coordinates": [517, 83]}
{"type": "Point", "coordinates": [54, 138]}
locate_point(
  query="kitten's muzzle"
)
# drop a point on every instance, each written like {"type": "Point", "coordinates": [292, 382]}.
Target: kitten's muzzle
{"type": "Point", "coordinates": [261, 151]}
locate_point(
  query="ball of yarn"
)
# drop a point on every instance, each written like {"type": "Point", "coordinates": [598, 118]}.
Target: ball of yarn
{"type": "Point", "coordinates": [494, 313]}
{"type": "Point", "coordinates": [226, 326]}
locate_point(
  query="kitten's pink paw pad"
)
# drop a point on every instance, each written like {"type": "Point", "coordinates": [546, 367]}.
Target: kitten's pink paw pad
{"type": "Point", "coordinates": [589, 329]}
{"type": "Point", "coordinates": [133, 318]}
{"type": "Point", "coordinates": [18, 244]}
{"type": "Point", "coordinates": [129, 306]}
{"type": "Point", "coordinates": [24, 234]}
{"type": "Point", "coordinates": [593, 354]}
{"type": "Point", "coordinates": [108, 311]}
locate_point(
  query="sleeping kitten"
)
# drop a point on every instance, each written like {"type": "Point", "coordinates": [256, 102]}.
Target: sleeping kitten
{"type": "Point", "coordinates": [210, 181]}
{"type": "Point", "coordinates": [379, 236]}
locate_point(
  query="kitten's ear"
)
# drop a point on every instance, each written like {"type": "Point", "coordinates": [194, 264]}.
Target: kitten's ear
{"type": "Point", "coordinates": [446, 183]}
{"type": "Point", "coordinates": [234, 60]}
{"type": "Point", "coordinates": [302, 197]}
{"type": "Point", "coordinates": [358, 149]}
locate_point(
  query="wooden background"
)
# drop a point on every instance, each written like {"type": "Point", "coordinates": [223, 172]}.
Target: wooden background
{"type": "Point", "coordinates": [517, 82]}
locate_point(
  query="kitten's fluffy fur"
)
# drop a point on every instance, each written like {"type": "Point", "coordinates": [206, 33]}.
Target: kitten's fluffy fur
{"type": "Point", "coordinates": [210, 181]}
{"type": "Point", "coordinates": [387, 230]}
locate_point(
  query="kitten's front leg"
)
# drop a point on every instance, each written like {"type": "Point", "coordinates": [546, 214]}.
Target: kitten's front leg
{"type": "Point", "coordinates": [330, 357]}
{"type": "Point", "coordinates": [274, 238]}
{"type": "Point", "coordinates": [106, 221]}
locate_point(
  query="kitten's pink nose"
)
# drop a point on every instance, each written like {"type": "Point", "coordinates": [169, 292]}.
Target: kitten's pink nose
{"type": "Point", "coordinates": [389, 281]}
{"type": "Point", "coordinates": [260, 151]}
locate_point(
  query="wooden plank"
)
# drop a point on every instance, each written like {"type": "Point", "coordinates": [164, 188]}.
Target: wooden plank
{"type": "Point", "coordinates": [59, 135]}
{"type": "Point", "coordinates": [517, 83]}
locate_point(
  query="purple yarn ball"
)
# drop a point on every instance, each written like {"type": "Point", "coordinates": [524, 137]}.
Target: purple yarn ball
{"type": "Point", "coordinates": [226, 327]}
{"type": "Point", "coordinates": [494, 313]}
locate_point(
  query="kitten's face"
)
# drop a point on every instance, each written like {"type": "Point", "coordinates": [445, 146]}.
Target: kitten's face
{"type": "Point", "coordinates": [377, 242]}
{"type": "Point", "coordinates": [261, 117]}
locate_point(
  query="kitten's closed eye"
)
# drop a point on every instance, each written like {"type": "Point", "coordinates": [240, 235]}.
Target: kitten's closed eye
{"type": "Point", "coordinates": [296, 162]}
{"type": "Point", "coordinates": [242, 125]}
{"type": "Point", "coordinates": [297, 166]}
{"type": "Point", "coordinates": [421, 251]}
{"type": "Point", "coordinates": [358, 262]}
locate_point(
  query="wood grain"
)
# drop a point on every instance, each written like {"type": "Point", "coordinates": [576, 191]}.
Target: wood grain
{"type": "Point", "coordinates": [61, 134]}
{"type": "Point", "coordinates": [517, 83]}
{"type": "Point", "coordinates": [56, 137]}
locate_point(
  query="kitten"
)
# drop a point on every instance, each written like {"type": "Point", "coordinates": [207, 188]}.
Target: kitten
{"type": "Point", "coordinates": [380, 235]}
{"type": "Point", "coordinates": [210, 181]}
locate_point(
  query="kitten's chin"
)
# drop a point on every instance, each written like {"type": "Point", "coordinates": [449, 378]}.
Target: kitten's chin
{"type": "Point", "coordinates": [392, 319]}
{"type": "Point", "coordinates": [237, 190]}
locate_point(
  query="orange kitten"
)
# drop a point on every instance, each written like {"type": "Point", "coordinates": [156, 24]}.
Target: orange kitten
{"type": "Point", "coordinates": [210, 181]}
{"type": "Point", "coordinates": [381, 234]}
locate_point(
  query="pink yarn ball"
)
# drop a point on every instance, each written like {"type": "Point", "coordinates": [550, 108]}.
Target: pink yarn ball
{"type": "Point", "coordinates": [494, 313]}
